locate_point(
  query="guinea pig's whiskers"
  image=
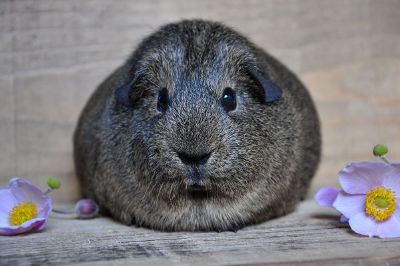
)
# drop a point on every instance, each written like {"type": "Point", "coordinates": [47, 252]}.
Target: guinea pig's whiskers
{"type": "Point", "coordinates": [160, 191]}
{"type": "Point", "coordinates": [147, 188]}
{"type": "Point", "coordinates": [170, 195]}
{"type": "Point", "coordinates": [152, 189]}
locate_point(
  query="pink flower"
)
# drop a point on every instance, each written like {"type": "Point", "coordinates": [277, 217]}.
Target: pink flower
{"type": "Point", "coordinates": [24, 208]}
{"type": "Point", "coordinates": [369, 199]}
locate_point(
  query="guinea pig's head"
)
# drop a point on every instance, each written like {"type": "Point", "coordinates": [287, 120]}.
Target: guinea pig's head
{"type": "Point", "coordinates": [195, 118]}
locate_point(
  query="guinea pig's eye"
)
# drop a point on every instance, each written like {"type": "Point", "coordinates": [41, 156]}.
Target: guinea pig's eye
{"type": "Point", "coordinates": [162, 103]}
{"type": "Point", "coordinates": [229, 99]}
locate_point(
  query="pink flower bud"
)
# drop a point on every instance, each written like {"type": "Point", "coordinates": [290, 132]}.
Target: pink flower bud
{"type": "Point", "coordinates": [86, 209]}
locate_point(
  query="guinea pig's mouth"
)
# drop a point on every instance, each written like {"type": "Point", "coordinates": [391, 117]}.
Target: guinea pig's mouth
{"type": "Point", "coordinates": [196, 191]}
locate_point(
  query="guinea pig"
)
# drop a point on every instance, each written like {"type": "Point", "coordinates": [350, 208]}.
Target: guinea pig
{"type": "Point", "coordinates": [199, 130]}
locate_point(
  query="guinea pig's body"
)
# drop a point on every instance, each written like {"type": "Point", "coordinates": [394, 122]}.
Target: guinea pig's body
{"type": "Point", "coordinates": [198, 130]}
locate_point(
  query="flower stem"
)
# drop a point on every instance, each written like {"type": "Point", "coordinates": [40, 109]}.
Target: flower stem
{"type": "Point", "coordinates": [383, 158]}
{"type": "Point", "coordinates": [63, 212]}
{"type": "Point", "coordinates": [48, 191]}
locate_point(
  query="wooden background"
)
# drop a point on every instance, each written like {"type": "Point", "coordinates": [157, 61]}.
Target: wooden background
{"type": "Point", "coordinates": [54, 53]}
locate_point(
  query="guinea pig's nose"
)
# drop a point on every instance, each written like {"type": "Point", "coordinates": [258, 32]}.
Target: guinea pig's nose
{"type": "Point", "coordinates": [193, 158]}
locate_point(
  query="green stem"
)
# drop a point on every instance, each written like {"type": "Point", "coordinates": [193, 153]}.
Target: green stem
{"type": "Point", "coordinates": [383, 158]}
{"type": "Point", "coordinates": [63, 212]}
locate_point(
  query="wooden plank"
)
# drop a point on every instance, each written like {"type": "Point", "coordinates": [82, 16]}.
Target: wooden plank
{"type": "Point", "coordinates": [310, 235]}
{"type": "Point", "coordinates": [7, 100]}
{"type": "Point", "coordinates": [7, 128]}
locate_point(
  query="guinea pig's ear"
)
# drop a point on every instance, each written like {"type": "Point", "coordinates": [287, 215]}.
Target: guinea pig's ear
{"type": "Point", "coordinates": [128, 94]}
{"type": "Point", "coordinates": [272, 92]}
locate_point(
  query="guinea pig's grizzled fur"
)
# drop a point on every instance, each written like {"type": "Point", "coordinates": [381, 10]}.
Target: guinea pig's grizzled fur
{"type": "Point", "coordinates": [199, 130]}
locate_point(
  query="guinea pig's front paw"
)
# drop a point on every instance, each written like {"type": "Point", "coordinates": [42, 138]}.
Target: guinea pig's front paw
{"type": "Point", "coordinates": [232, 228]}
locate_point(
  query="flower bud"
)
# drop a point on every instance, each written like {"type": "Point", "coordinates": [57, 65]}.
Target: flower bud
{"type": "Point", "coordinates": [380, 150]}
{"type": "Point", "coordinates": [53, 183]}
{"type": "Point", "coordinates": [86, 209]}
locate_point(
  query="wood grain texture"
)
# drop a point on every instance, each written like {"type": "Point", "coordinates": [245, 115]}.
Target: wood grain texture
{"type": "Point", "coordinates": [310, 236]}
{"type": "Point", "coordinates": [54, 53]}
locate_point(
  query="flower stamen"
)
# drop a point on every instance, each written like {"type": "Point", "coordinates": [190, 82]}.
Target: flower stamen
{"type": "Point", "coordinates": [380, 203]}
{"type": "Point", "coordinates": [22, 212]}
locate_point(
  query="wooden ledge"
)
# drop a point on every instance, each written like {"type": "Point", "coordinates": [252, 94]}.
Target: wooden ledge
{"type": "Point", "coordinates": [311, 235]}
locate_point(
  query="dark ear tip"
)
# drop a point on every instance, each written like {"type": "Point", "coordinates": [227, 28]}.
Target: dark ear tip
{"type": "Point", "coordinates": [273, 92]}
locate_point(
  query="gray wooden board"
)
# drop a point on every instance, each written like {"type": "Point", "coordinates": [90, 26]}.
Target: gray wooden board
{"type": "Point", "coordinates": [311, 235]}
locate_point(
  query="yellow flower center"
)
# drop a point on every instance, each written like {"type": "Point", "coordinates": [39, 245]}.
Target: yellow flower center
{"type": "Point", "coordinates": [380, 203]}
{"type": "Point", "coordinates": [22, 212]}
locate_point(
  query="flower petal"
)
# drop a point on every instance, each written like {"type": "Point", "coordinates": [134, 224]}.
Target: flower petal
{"type": "Point", "coordinates": [16, 179]}
{"type": "Point", "coordinates": [39, 227]}
{"type": "Point", "coordinates": [348, 204]}
{"type": "Point", "coordinates": [7, 199]}
{"type": "Point", "coordinates": [392, 180]}
{"type": "Point", "coordinates": [25, 191]}
{"type": "Point", "coordinates": [26, 227]}
{"type": "Point", "coordinates": [344, 219]}
{"type": "Point", "coordinates": [326, 196]}
{"type": "Point", "coordinates": [364, 225]}
{"type": "Point", "coordinates": [390, 227]}
{"type": "Point", "coordinates": [358, 178]}
{"type": "Point", "coordinates": [44, 213]}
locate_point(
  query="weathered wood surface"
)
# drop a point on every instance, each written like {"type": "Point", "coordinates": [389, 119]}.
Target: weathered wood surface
{"type": "Point", "coordinates": [311, 235]}
{"type": "Point", "coordinates": [53, 54]}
